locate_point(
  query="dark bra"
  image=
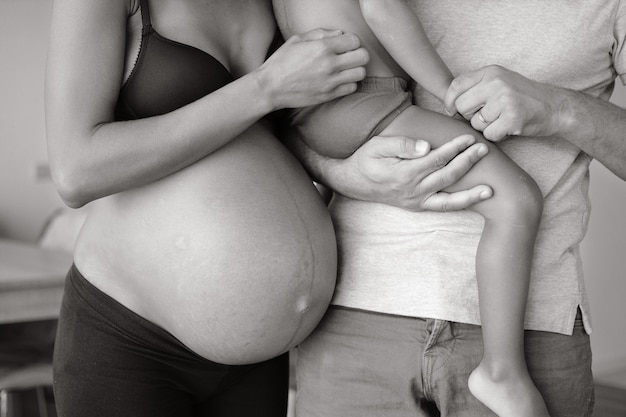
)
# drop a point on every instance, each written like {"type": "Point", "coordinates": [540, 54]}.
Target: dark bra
{"type": "Point", "coordinates": [167, 75]}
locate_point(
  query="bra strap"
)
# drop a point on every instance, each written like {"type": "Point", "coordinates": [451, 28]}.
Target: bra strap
{"type": "Point", "coordinates": [145, 13]}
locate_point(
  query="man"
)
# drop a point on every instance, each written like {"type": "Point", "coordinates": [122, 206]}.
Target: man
{"type": "Point", "coordinates": [403, 333]}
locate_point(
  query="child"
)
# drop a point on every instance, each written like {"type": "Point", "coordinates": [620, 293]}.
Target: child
{"type": "Point", "coordinates": [400, 50]}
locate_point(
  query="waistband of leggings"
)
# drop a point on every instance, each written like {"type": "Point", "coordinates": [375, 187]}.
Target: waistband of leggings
{"type": "Point", "coordinates": [94, 301]}
{"type": "Point", "coordinates": [386, 84]}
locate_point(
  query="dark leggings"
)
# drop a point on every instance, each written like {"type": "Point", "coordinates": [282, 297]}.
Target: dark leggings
{"type": "Point", "coordinates": [110, 362]}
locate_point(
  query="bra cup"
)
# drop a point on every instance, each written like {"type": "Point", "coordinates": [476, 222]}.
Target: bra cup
{"type": "Point", "coordinates": [168, 75]}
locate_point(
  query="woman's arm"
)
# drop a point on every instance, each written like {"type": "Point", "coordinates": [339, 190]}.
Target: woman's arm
{"type": "Point", "coordinates": [399, 30]}
{"type": "Point", "coordinates": [92, 156]}
{"type": "Point", "coordinates": [399, 171]}
{"type": "Point", "coordinates": [515, 105]}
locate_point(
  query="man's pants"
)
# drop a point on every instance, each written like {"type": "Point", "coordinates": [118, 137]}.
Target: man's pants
{"type": "Point", "coordinates": [362, 364]}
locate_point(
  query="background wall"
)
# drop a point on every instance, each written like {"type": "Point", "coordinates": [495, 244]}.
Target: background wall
{"type": "Point", "coordinates": [27, 196]}
{"type": "Point", "coordinates": [604, 262]}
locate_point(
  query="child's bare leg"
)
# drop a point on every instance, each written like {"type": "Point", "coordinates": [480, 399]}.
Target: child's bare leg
{"type": "Point", "coordinates": [503, 262]}
{"type": "Point", "coordinates": [501, 381]}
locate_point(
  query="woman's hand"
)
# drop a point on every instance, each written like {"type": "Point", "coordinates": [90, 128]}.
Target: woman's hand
{"type": "Point", "coordinates": [312, 68]}
{"type": "Point", "coordinates": [500, 102]}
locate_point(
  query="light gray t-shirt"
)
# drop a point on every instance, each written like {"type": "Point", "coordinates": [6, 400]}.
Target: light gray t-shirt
{"type": "Point", "coordinates": [423, 264]}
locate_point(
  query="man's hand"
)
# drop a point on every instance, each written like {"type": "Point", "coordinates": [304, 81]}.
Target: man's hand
{"type": "Point", "coordinates": [500, 102]}
{"type": "Point", "coordinates": [405, 173]}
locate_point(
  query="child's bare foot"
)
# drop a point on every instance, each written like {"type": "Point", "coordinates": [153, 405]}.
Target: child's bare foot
{"type": "Point", "coordinates": [510, 395]}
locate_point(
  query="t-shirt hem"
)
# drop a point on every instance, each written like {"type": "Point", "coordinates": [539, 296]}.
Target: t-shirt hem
{"type": "Point", "coordinates": [565, 327]}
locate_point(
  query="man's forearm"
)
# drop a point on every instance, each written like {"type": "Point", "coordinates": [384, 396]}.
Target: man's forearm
{"type": "Point", "coordinates": [595, 126]}
{"type": "Point", "coordinates": [315, 164]}
{"type": "Point", "coordinates": [326, 171]}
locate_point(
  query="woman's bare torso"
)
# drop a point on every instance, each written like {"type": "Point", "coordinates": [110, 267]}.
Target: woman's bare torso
{"type": "Point", "coordinates": [234, 255]}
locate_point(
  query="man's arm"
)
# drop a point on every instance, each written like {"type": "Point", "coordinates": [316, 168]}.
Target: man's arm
{"type": "Point", "coordinates": [597, 127]}
{"type": "Point", "coordinates": [500, 102]}
{"type": "Point", "coordinates": [398, 171]}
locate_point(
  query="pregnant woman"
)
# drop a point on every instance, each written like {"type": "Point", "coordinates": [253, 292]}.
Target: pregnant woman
{"type": "Point", "coordinates": [207, 252]}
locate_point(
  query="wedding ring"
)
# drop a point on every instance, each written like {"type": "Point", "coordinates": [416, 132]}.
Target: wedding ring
{"type": "Point", "coordinates": [481, 117]}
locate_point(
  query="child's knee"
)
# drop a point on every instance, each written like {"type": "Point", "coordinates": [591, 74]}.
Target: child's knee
{"type": "Point", "coordinates": [530, 202]}
{"type": "Point", "coordinates": [518, 202]}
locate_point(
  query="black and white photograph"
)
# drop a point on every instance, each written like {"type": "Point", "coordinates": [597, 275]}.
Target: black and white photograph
{"type": "Point", "coordinates": [312, 208]}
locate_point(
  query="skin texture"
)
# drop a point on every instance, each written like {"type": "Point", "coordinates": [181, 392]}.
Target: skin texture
{"type": "Point", "coordinates": [203, 203]}
{"type": "Point", "coordinates": [200, 220]}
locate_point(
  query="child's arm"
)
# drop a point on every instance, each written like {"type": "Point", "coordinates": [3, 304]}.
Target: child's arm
{"type": "Point", "coordinates": [401, 33]}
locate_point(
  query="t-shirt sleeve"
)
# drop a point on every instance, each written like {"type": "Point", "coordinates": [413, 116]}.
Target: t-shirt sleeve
{"type": "Point", "coordinates": [619, 47]}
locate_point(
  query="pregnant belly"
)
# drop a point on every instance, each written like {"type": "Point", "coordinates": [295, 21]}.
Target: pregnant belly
{"type": "Point", "coordinates": [234, 255]}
